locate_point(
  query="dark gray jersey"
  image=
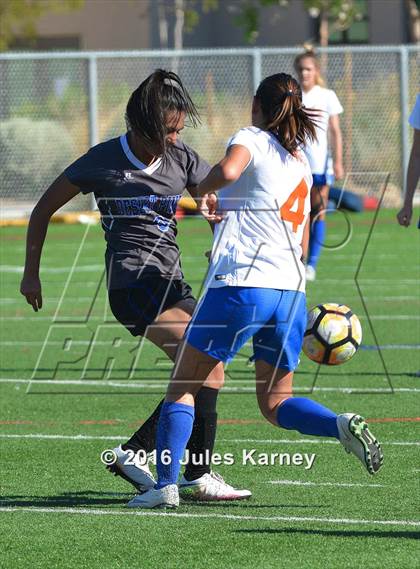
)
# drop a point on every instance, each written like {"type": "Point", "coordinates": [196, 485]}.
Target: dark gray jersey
{"type": "Point", "coordinates": [137, 205]}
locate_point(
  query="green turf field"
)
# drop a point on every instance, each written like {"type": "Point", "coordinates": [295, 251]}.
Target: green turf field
{"type": "Point", "coordinates": [59, 506]}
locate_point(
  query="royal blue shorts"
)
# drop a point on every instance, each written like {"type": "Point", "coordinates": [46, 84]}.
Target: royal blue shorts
{"type": "Point", "coordinates": [320, 180]}
{"type": "Point", "coordinates": [227, 317]}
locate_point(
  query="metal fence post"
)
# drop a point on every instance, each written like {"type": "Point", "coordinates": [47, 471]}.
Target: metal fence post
{"type": "Point", "coordinates": [405, 133]}
{"type": "Point", "coordinates": [93, 107]}
{"type": "Point", "coordinates": [256, 68]}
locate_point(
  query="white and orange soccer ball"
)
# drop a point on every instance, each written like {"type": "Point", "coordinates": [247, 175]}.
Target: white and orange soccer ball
{"type": "Point", "coordinates": [333, 334]}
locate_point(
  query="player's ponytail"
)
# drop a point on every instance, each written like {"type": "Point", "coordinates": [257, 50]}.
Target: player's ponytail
{"type": "Point", "coordinates": [280, 98]}
{"type": "Point", "coordinates": [160, 93]}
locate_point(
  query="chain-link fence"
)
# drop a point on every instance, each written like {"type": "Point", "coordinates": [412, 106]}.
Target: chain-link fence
{"type": "Point", "coordinates": [54, 106]}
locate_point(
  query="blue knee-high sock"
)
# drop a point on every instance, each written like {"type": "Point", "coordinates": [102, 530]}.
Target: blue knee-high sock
{"type": "Point", "coordinates": [317, 238]}
{"type": "Point", "coordinates": [173, 432]}
{"type": "Point", "coordinates": [307, 417]}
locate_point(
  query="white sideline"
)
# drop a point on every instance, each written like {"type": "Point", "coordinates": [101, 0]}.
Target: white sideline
{"type": "Point", "coordinates": [336, 484]}
{"type": "Point", "coordinates": [303, 519]}
{"type": "Point", "coordinates": [139, 384]}
{"type": "Point", "coordinates": [81, 437]}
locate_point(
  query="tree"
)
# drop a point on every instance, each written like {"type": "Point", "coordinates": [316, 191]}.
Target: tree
{"type": "Point", "coordinates": [413, 11]}
{"type": "Point", "coordinates": [185, 16]}
{"type": "Point", "coordinates": [340, 13]}
{"type": "Point", "coordinates": [18, 18]}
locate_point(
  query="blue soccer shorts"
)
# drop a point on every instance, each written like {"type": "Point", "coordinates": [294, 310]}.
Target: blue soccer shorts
{"type": "Point", "coordinates": [320, 180]}
{"type": "Point", "coordinates": [227, 317]}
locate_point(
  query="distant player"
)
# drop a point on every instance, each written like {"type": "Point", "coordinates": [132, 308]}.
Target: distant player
{"type": "Point", "coordinates": [316, 96]}
{"type": "Point", "coordinates": [413, 172]}
{"type": "Point", "coordinates": [256, 288]}
{"type": "Point", "coordinates": [137, 180]}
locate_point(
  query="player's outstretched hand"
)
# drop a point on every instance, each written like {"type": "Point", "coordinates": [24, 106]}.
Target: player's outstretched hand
{"type": "Point", "coordinates": [404, 216]}
{"type": "Point", "coordinates": [30, 287]}
{"type": "Point", "coordinates": [208, 208]}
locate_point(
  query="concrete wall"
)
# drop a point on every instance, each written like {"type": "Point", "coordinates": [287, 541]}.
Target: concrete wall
{"type": "Point", "coordinates": [102, 24]}
{"type": "Point", "coordinates": [279, 26]}
{"type": "Point", "coordinates": [134, 24]}
{"type": "Point", "coordinates": [388, 22]}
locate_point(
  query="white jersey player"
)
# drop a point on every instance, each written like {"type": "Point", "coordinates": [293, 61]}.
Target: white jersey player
{"type": "Point", "coordinates": [328, 134]}
{"type": "Point", "coordinates": [255, 289]}
{"type": "Point", "coordinates": [267, 208]}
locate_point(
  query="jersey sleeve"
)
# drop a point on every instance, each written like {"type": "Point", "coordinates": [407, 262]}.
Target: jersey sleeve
{"type": "Point", "coordinates": [414, 118]}
{"type": "Point", "coordinates": [81, 173]}
{"type": "Point", "coordinates": [197, 168]}
{"type": "Point", "coordinates": [244, 137]}
{"type": "Point", "coordinates": [334, 106]}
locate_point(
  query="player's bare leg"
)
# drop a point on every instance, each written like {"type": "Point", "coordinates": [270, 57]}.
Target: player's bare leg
{"type": "Point", "coordinates": [167, 331]}
{"type": "Point", "coordinates": [274, 394]}
{"type": "Point", "coordinates": [273, 386]}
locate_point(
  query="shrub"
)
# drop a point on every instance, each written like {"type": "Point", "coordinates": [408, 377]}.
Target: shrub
{"type": "Point", "coordinates": [32, 154]}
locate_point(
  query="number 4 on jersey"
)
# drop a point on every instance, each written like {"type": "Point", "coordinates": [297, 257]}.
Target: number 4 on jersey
{"type": "Point", "coordinates": [295, 217]}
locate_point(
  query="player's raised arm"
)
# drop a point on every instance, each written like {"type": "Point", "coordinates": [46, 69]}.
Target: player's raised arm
{"type": "Point", "coordinates": [58, 194]}
{"type": "Point", "coordinates": [226, 171]}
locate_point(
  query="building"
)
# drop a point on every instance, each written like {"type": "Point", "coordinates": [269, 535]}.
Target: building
{"type": "Point", "coordinates": [151, 24]}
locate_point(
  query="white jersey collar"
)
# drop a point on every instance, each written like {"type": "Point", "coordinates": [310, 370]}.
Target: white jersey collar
{"type": "Point", "coordinates": [135, 161]}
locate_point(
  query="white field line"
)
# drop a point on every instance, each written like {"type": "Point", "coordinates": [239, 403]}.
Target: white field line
{"type": "Point", "coordinates": [335, 484]}
{"type": "Point", "coordinates": [230, 517]}
{"type": "Point", "coordinates": [138, 384]}
{"type": "Point", "coordinates": [18, 300]}
{"type": "Point", "coordinates": [311, 441]}
{"type": "Point", "coordinates": [80, 319]}
{"type": "Point", "coordinates": [27, 343]}
{"type": "Point", "coordinates": [53, 270]}
{"type": "Point", "coordinates": [100, 268]}
{"type": "Point", "coordinates": [185, 258]}
{"type": "Point", "coordinates": [81, 437]}
{"type": "Point", "coordinates": [383, 283]}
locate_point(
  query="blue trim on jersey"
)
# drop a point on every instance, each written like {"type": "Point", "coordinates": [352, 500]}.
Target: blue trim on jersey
{"type": "Point", "coordinates": [228, 317]}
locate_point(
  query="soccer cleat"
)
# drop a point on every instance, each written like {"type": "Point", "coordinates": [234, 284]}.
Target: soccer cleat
{"type": "Point", "coordinates": [310, 273]}
{"type": "Point", "coordinates": [357, 439]}
{"type": "Point", "coordinates": [129, 467]}
{"type": "Point", "coordinates": [209, 488]}
{"type": "Point", "coordinates": [166, 497]}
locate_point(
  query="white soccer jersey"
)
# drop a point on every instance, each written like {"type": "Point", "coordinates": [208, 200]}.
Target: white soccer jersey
{"type": "Point", "coordinates": [258, 244]}
{"type": "Point", "coordinates": [326, 101]}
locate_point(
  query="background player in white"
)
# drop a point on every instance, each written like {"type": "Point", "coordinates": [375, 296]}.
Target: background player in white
{"type": "Point", "coordinates": [413, 171]}
{"type": "Point", "coordinates": [316, 96]}
{"type": "Point", "coordinates": [256, 286]}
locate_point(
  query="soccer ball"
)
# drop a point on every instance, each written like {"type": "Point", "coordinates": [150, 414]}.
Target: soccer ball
{"type": "Point", "coordinates": [333, 334]}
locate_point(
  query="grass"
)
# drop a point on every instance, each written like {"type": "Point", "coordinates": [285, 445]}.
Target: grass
{"type": "Point", "coordinates": [59, 506]}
